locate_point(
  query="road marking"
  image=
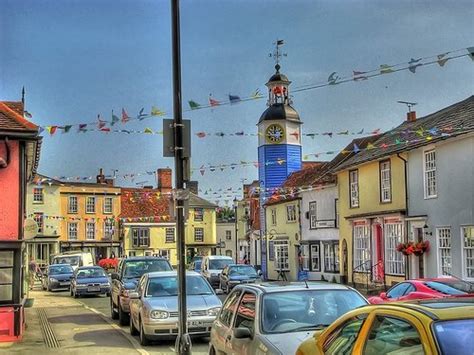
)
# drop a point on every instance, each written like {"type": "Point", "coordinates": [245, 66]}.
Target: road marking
{"type": "Point", "coordinates": [131, 339]}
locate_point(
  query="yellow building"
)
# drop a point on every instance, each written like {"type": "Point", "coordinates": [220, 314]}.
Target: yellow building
{"type": "Point", "coordinates": [283, 241]}
{"type": "Point", "coordinates": [89, 217]}
{"type": "Point", "coordinates": [148, 228]}
{"type": "Point", "coordinates": [372, 207]}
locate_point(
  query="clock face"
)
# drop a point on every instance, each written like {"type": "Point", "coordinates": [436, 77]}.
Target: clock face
{"type": "Point", "coordinates": [274, 133]}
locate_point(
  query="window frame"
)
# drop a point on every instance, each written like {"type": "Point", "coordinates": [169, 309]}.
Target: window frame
{"type": "Point", "coordinates": [226, 305]}
{"type": "Point", "coordinates": [467, 261]}
{"type": "Point", "coordinates": [394, 261]}
{"type": "Point", "coordinates": [274, 216]}
{"type": "Point", "coordinates": [306, 256]}
{"type": "Point", "coordinates": [39, 219]}
{"type": "Point", "coordinates": [386, 180]}
{"type": "Point", "coordinates": [313, 212]}
{"type": "Point", "coordinates": [315, 255]}
{"type": "Point", "coordinates": [88, 230]}
{"type": "Point", "coordinates": [354, 198]}
{"type": "Point", "coordinates": [426, 172]}
{"type": "Point", "coordinates": [228, 234]}
{"type": "Point", "coordinates": [280, 246]}
{"type": "Point", "coordinates": [447, 251]}
{"type": "Point", "coordinates": [89, 198]}
{"type": "Point", "coordinates": [331, 249]}
{"type": "Point", "coordinates": [75, 230]}
{"type": "Point", "coordinates": [104, 210]}
{"type": "Point", "coordinates": [70, 210]}
{"type": "Point", "coordinates": [198, 214]}
{"type": "Point", "coordinates": [291, 216]}
{"type": "Point", "coordinates": [142, 237]}
{"type": "Point", "coordinates": [365, 253]}
{"type": "Point", "coordinates": [241, 298]}
{"type": "Point", "coordinates": [198, 229]}
{"type": "Point", "coordinates": [167, 235]}
{"type": "Point", "coordinates": [38, 198]}
{"type": "Point", "coordinates": [109, 225]}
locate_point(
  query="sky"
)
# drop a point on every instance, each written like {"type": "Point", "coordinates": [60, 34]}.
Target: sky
{"type": "Point", "coordinates": [77, 59]}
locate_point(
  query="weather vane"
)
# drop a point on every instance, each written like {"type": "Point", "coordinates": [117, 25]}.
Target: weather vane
{"type": "Point", "coordinates": [409, 104]}
{"type": "Point", "coordinates": [277, 54]}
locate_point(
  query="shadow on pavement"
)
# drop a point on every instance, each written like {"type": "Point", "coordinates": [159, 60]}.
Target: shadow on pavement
{"type": "Point", "coordinates": [102, 338]}
{"type": "Point", "coordinates": [81, 319]}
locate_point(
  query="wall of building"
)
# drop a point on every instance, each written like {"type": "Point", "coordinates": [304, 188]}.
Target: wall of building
{"type": "Point", "coordinates": [51, 207]}
{"type": "Point", "coordinates": [454, 205]}
{"type": "Point", "coordinates": [209, 226]}
{"type": "Point", "coordinates": [228, 245]}
{"type": "Point", "coordinates": [10, 194]}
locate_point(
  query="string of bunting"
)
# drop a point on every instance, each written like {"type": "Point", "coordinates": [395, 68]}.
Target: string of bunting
{"type": "Point", "coordinates": [107, 126]}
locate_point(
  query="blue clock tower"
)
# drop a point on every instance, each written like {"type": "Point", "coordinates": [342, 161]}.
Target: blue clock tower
{"type": "Point", "coordinates": [279, 145]}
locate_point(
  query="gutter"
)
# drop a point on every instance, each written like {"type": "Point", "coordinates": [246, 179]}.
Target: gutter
{"type": "Point", "coordinates": [407, 213]}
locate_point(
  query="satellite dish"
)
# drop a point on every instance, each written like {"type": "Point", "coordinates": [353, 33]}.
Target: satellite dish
{"type": "Point", "coordinates": [30, 228]}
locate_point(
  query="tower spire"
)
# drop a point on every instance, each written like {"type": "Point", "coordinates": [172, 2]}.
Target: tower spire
{"type": "Point", "coordinates": [277, 54]}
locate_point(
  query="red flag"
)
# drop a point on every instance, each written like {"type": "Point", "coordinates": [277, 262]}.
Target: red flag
{"type": "Point", "coordinates": [213, 102]}
{"type": "Point", "coordinates": [125, 117]}
{"type": "Point", "coordinates": [100, 124]}
{"type": "Point", "coordinates": [201, 134]}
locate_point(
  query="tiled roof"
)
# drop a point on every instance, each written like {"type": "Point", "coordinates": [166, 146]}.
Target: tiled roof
{"type": "Point", "coordinates": [305, 176]}
{"type": "Point", "coordinates": [196, 201]}
{"type": "Point", "coordinates": [11, 117]}
{"type": "Point", "coordinates": [449, 122]}
{"type": "Point", "coordinates": [138, 203]}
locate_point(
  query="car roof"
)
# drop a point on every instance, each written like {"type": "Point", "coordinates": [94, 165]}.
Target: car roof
{"type": "Point", "coordinates": [218, 257]}
{"type": "Point", "coordinates": [59, 265]}
{"type": "Point", "coordinates": [437, 308]}
{"type": "Point", "coordinates": [88, 267]}
{"type": "Point", "coordinates": [276, 286]}
{"type": "Point", "coordinates": [244, 265]}
{"type": "Point", "coordinates": [135, 258]}
{"type": "Point", "coordinates": [171, 273]}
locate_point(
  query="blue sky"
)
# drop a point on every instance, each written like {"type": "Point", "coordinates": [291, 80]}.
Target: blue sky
{"type": "Point", "coordinates": [78, 59]}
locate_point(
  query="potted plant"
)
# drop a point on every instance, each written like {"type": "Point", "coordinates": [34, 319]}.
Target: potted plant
{"type": "Point", "coordinates": [411, 247]}
{"type": "Point", "coordinates": [109, 264]}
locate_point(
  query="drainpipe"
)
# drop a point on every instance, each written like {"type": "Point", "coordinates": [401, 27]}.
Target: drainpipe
{"type": "Point", "coordinates": [406, 206]}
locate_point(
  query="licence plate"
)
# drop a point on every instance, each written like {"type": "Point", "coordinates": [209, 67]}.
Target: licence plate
{"type": "Point", "coordinates": [93, 288]}
{"type": "Point", "coordinates": [63, 283]}
{"type": "Point", "coordinates": [195, 323]}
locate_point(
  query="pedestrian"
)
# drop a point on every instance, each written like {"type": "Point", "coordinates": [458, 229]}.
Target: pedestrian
{"type": "Point", "coordinates": [32, 270]}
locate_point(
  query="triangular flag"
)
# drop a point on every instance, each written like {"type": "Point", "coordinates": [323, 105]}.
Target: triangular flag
{"type": "Point", "coordinates": [234, 99]}
{"type": "Point", "coordinates": [333, 78]}
{"type": "Point", "coordinates": [241, 133]}
{"type": "Point", "coordinates": [213, 102]}
{"type": "Point", "coordinates": [220, 134]}
{"type": "Point", "coordinates": [125, 117]}
{"type": "Point", "coordinates": [115, 119]}
{"type": "Point", "coordinates": [141, 115]}
{"type": "Point", "coordinates": [295, 134]}
{"type": "Point", "coordinates": [370, 146]}
{"type": "Point", "coordinates": [156, 112]}
{"type": "Point", "coordinates": [51, 129]}
{"type": "Point", "coordinates": [359, 75]}
{"type": "Point", "coordinates": [100, 123]}
{"type": "Point", "coordinates": [67, 128]}
{"type": "Point", "coordinates": [328, 134]}
{"type": "Point", "coordinates": [105, 129]}
{"type": "Point", "coordinates": [361, 131]}
{"type": "Point", "coordinates": [356, 148]}
{"type": "Point", "coordinates": [385, 69]}
{"type": "Point", "coordinates": [375, 131]}
{"type": "Point", "coordinates": [470, 51]}
{"type": "Point", "coordinates": [40, 130]}
{"type": "Point", "coordinates": [148, 130]}
{"type": "Point", "coordinates": [412, 66]}
{"type": "Point", "coordinates": [256, 94]}
{"type": "Point", "coordinates": [345, 133]}
{"type": "Point", "coordinates": [194, 105]}
{"type": "Point", "coordinates": [441, 59]}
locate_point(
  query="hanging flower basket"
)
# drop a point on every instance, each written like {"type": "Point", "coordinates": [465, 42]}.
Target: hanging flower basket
{"type": "Point", "coordinates": [414, 248]}
{"type": "Point", "coordinates": [108, 264]}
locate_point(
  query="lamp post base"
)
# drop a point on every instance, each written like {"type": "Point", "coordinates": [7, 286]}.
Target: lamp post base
{"type": "Point", "coordinates": [183, 344]}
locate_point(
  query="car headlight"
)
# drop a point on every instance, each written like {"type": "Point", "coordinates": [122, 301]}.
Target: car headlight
{"type": "Point", "coordinates": [106, 284]}
{"type": "Point", "coordinates": [213, 311]}
{"type": "Point", "coordinates": [159, 314]}
{"type": "Point", "coordinates": [52, 279]}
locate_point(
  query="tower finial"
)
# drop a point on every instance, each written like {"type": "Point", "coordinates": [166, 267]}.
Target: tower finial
{"type": "Point", "coordinates": [277, 54]}
{"type": "Point", "coordinates": [23, 96]}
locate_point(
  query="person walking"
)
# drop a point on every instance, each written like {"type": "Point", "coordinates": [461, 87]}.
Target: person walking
{"type": "Point", "coordinates": [32, 270]}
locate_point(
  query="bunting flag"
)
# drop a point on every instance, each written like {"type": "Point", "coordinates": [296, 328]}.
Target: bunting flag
{"type": "Point", "coordinates": [470, 51]}
{"type": "Point", "coordinates": [256, 94]}
{"type": "Point", "coordinates": [295, 134]}
{"type": "Point", "coordinates": [100, 123]}
{"type": "Point", "coordinates": [40, 130]}
{"type": "Point", "coordinates": [67, 128]}
{"type": "Point", "coordinates": [385, 69]}
{"type": "Point", "coordinates": [82, 127]}
{"type": "Point", "coordinates": [233, 99]}
{"type": "Point", "coordinates": [148, 130]}
{"type": "Point", "coordinates": [156, 112]}
{"type": "Point", "coordinates": [201, 134]}
{"type": "Point", "coordinates": [213, 102]}
{"type": "Point", "coordinates": [194, 105]}
{"type": "Point", "coordinates": [333, 78]}
{"type": "Point", "coordinates": [442, 60]}
{"type": "Point", "coordinates": [125, 117]}
{"type": "Point", "coordinates": [115, 119]}
{"type": "Point", "coordinates": [356, 148]}
{"type": "Point", "coordinates": [359, 75]}
{"type": "Point", "coordinates": [51, 129]}
{"type": "Point", "coordinates": [413, 64]}
{"type": "Point", "coordinates": [141, 116]}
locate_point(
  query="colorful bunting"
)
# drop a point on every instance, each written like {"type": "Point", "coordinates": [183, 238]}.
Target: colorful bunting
{"type": "Point", "coordinates": [233, 99]}
{"type": "Point", "coordinates": [442, 60]}
{"type": "Point", "coordinates": [125, 117]}
{"type": "Point", "coordinates": [385, 69]}
{"type": "Point", "coordinates": [156, 112]}
{"type": "Point", "coordinates": [194, 105]}
{"type": "Point", "coordinates": [412, 65]}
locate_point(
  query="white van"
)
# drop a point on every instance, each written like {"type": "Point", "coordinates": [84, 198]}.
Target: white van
{"type": "Point", "coordinates": [212, 266]}
{"type": "Point", "coordinates": [74, 258]}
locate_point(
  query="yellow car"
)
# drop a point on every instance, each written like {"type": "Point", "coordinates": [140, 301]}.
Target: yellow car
{"type": "Point", "coordinates": [430, 326]}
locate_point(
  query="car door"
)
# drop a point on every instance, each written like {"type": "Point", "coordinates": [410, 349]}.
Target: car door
{"type": "Point", "coordinates": [342, 339]}
{"type": "Point", "coordinates": [393, 332]}
{"type": "Point", "coordinates": [244, 318]}
{"type": "Point", "coordinates": [136, 304]}
{"type": "Point", "coordinates": [406, 294]}
{"type": "Point", "coordinates": [222, 326]}
{"type": "Point", "coordinates": [397, 291]}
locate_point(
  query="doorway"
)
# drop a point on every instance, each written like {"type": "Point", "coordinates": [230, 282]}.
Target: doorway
{"type": "Point", "coordinates": [379, 254]}
{"type": "Point", "coordinates": [420, 263]}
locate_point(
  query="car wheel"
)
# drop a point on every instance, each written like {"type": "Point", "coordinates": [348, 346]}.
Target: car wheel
{"type": "Point", "coordinates": [212, 351]}
{"type": "Point", "coordinates": [114, 314]}
{"type": "Point", "coordinates": [124, 317]}
{"type": "Point", "coordinates": [143, 339]}
{"type": "Point", "coordinates": [133, 330]}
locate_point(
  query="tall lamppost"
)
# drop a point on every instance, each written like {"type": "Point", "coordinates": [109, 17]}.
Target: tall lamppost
{"type": "Point", "coordinates": [236, 204]}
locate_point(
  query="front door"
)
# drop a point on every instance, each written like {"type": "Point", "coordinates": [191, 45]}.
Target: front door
{"type": "Point", "coordinates": [379, 263]}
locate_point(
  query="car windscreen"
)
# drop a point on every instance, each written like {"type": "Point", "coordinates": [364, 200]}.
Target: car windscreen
{"type": "Point", "coordinates": [168, 286]}
{"type": "Point", "coordinates": [197, 265]}
{"type": "Point", "coordinates": [455, 337]}
{"type": "Point", "coordinates": [136, 268]}
{"type": "Point", "coordinates": [450, 287]}
{"type": "Point", "coordinates": [242, 271]}
{"type": "Point", "coordinates": [219, 264]}
{"type": "Point", "coordinates": [71, 260]}
{"type": "Point", "coordinates": [300, 310]}
{"type": "Point", "coordinates": [90, 273]}
{"type": "Point", "coordinates": [60, 269]}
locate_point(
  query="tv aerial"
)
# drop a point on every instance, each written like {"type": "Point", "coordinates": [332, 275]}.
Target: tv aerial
{"type": "Point", "coordinates": [409, 104]}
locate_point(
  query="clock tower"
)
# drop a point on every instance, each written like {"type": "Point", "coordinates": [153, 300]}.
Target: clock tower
{"type": "Point", "coordinates": [279, 145]}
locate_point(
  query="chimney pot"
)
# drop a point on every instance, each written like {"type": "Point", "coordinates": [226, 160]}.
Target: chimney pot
{"type": "Point", "coordinates": [411, 116]}
{"type": "Point", "coordinates": [164, 180]}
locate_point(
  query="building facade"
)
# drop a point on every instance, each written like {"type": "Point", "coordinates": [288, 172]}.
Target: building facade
{"type": "Point", "coordinates": [226, 239]}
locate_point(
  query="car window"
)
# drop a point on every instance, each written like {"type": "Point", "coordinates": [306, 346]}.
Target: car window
{"type": "Point", "coordinates": [219, 264]}
{"type": "Point", "coordinates": [342, 339]}
{"type": "Point", "coordinates": [168, 286]}
{"type": "Point", "coordinates": [136, 268]}
{"type": "Point", "coordinates": [398, 290]}
{"type": "Point", "coordinates": [90, 273]}
{"type": "Point", "coordinates": [409, 289]}
{"type": "Point", "coordinates": [242, 271]}
{"type": "Point", "coordinates": [62, 269]}
{"type": "Point", "coordinates": [246, 312]}
{"type": "Point", "coordinates": [389, 335]}
{"type": "Point", "coordinates": [229, 308]}
{"type": "Point", "coordinates": [455, 337]}
{"type": "Point", "coordinates": [448, 288]}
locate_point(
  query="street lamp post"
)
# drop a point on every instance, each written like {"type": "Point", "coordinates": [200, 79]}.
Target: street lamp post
{"type": "Point", "coordinates": [236, 203]}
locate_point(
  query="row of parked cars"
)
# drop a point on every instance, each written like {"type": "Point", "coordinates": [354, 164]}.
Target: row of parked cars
{"type": "Point", "coordinates": [295, 317]}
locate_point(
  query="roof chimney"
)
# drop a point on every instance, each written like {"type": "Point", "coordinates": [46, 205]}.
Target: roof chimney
{"type": "Point", "coordinates": [411, 116]}
{"type": "Point", "coordinates": [164, 180]}
{"type": "Point", "coordinates": [100, 178]}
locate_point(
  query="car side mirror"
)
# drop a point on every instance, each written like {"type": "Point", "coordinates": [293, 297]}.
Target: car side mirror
{"type": "Point", "coordinates": [383, 295]}
{"type": "Point", "coordinates": [219, 291]}
{"type": "Point", "coordinates": [133, 295]}
{"type": "Point", "coordinates": [259, 272]}
{"type": "Point", "coordinates": [115, 276]}
{"type": "Point", "coordinates": [242, 333]}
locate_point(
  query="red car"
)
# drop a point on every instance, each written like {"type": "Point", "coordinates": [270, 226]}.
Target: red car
{"type": "Point", "coordinates": [425, 288]}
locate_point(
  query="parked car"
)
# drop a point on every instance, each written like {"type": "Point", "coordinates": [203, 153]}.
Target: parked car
{"type": "Point", "coordinates": [57, 277]}
{"type": "Point", "coordinates": [195, 265]}
{"type": "Point", "coordinates": [212, 266]}
{"type": "Point", "coordinates": [430, 326]}
{"type": "Point", "coordinates": [274, 318]}
{"type": "Point", "coordinates": [90, 280]}
{"type": "Point", "coordinates": [425, 288]}
{"type": "Point", "coordinates": [154, 306]}
{"type": "Point", "coordinates": [74, 258]}
{"type": "Point", "coordinates": [234, 274]}
{"type": "Point", "coordinates": [129, 271]}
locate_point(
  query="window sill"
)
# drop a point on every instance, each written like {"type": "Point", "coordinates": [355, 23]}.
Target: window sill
{"type": "Point", "coordinates": [72, 212]}
{"type": "Point", "coordinates": [38, 202]}
{"type": "Point", "coordinates": [430, 197]}
{"type": "Point", "coordinates": [290, 221]}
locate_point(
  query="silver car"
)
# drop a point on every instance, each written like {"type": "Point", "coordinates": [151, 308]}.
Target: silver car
{"type": "Point", "coordinates": [274, 318]}
{"type": "Point", "coordinates": [154, 306]}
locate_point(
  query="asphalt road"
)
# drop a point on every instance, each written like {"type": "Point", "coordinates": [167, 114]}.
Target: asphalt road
{"type": "Point", "coordinates": [102, 305]}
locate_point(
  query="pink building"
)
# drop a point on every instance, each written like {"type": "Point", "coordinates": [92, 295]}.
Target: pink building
{"type": "Point", "coordinates": [19, 156]}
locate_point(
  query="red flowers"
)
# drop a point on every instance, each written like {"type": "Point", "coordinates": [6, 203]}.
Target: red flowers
{"type": "Point", "coordinates": [414, 248]}
{"type": "Point", "coordinates": [108, 263]}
